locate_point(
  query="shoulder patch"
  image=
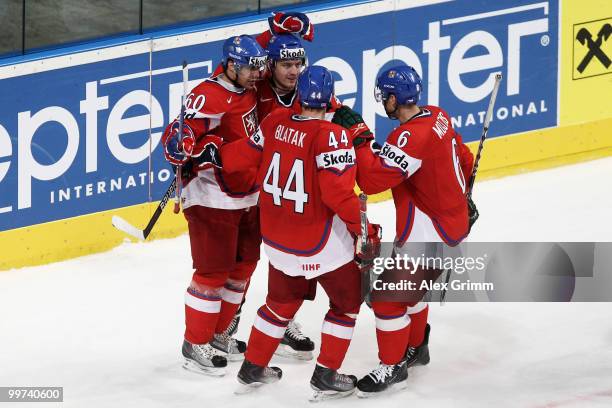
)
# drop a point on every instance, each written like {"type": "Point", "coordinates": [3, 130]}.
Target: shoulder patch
{"type": "Point", "coordinates": [338, 160]}
{"type": "Point", "coordinates": [393, 156]}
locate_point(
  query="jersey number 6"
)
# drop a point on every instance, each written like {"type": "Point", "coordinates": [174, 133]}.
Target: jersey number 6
{"type": "Point", "coordinates": [457, 165]}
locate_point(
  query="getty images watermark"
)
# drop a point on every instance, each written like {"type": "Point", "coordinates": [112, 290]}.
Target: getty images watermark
{"type": "Point", "coordinates": [492, 272]}
{"type": "Point", "coordinates": [411, 265]}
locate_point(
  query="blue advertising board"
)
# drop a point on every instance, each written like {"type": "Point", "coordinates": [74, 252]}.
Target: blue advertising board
{"type": "Point", "coordinates": [85, 138]}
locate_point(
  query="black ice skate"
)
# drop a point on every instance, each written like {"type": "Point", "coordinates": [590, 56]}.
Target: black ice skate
{"type": "Point", "coordinates": [384, 378]}
{"type": "Point", "coordinates": [419, 355]}
{"type": "Point", "coordinates": [231, 348]}
{"type": "Point", "coordinates": [252, 376]}
{"type": "Point", "coordinates": [330, 384]}
{"type": "Point", "coordinates": [294, 344]}
{"type": "Point", "coordinates": [203, 359]}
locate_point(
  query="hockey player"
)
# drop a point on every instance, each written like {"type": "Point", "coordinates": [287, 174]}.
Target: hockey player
{"type": "Point", "coordinates": [426, 164]}
{"type": "Point", "coordinates": [308, 213]}
{"type": "Point", "coordinates": [220, 208]}
{"type": "Point", "coordinates": [286, 59]}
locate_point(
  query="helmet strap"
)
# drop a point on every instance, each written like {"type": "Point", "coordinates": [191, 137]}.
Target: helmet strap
{"type": "Point", "coordinates": [392, 114]}
{"type": "Point", "coordinates": [234, 81]}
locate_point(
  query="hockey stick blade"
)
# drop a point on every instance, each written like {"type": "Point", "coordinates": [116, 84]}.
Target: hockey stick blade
{"type": "Point", "coordinates": [129, 229]}
{"type": "Point", "coordinates": [123, 225]}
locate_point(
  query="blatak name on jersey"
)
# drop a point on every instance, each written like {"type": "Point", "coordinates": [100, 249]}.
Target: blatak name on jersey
{"type": "Point", "coordinates": [394, 156]}
{"type": "Point", "coordinates": [338, 159]}
{"type": "Point", "coordinates": [290, 135]}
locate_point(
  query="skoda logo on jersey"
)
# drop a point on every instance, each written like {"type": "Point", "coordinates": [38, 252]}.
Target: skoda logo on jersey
{"type": "Point", "coordinates": [296, 53]}
{"type": "Point", "coordinates": [338, 159]}
{"type": "Point", "coordinates": [397, 158]}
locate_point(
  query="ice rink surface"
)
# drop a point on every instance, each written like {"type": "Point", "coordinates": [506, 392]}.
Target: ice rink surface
{"type": "Point", "coordinates": [108, 327]}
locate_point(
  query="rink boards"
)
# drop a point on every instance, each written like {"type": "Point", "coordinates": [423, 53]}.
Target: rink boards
{"type": "Point", "coordinates": [80, 128]}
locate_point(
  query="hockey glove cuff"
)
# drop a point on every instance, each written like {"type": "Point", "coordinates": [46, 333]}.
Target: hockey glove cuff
{"type": "Point", "coordinates": [353, 121]}
{"type": "Point", "coordinates": [206, 151]}
{"type": "Point", "coordinates": [366, 253]}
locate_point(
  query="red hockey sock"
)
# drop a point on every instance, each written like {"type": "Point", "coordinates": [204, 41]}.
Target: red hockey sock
{"type": "Point", "coordinates": [418, 316]}
{"type": "Point", "coordinates": [267, 332]}
{"type": "Point", "coordinates": [392, 331]}
{"type": "Point", "coordinates": [201, 314]}
{"type": "Point", "coordinates": [336, 335]}
{"type": "Point", "coordinates": [231, 294]}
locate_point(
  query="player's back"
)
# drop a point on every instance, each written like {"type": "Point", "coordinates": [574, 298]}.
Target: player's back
{"type": "Point", "coordinates": [294, 218]}
{"type": "Point", "coordinates": [438, 186]}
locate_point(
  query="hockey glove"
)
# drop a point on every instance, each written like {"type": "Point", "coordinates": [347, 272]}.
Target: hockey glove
{"type": "Point", "coordinates": [365, 254]}
{"type": "Point", "coordinates": [472, 213]}
{"type": "Point", "coordinates": [177, 150]}
{"type": "Point", "coordinates": [294, 23]}
{"type": "Point", "coordinates": [205, 151]}
{"type": "Point", "coordinates": [353, 121]}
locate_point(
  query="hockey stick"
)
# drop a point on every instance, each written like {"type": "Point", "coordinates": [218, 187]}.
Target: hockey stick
{"type": "Point", "coordinates": [485, 130]}
{"type": "Point", "coordinates": [129, 229]}
{"type": "Point", "coordinates": [363, 215]}
{"type": "Point", "coordinates": [179, 168]}
{"type": "Point", "coordinates": [366, 280]}
{"type": "Point", "coordinates": [123, 225]}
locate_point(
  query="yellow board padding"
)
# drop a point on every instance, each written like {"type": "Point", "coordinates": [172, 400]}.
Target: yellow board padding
{"type": "Point", "coordinates": [537, 150]}
{"type": "Point", "coordinates": [585, 96]}
{"type": "Point", "coordinates": [60, 240]}
{"type": "Point", "coordinates": [65, 239]}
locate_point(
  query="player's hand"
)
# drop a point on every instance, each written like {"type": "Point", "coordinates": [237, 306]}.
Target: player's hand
{"type": "Point", "coordinates": [291, 23]}
{"type": "Point", "coordinates": [365, 254]}
{"type": "Point", "coordinates": [206, 151]}
{"type": "Point", "coordinates": [472, 213]}
{"type": "Point", "coordinates": [177, 150]}
{"type": "Point", "coordinates": [353, 121]}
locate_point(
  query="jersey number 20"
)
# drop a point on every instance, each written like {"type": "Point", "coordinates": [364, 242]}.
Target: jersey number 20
{"type": "Point", "coordinates": [295, 179]}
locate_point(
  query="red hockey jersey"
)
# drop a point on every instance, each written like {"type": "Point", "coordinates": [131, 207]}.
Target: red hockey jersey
{"type": "Point", "coordinates": [426, 164]}
{"type": "Point", "coordinates": [217, 107]}
{"type": "Point", "coordinates": [268, 100]}
{"type": "Point", "coordinates": [307, 202]}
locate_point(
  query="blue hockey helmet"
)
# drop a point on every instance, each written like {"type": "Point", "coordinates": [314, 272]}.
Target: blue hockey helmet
{"type": "Point", "coordinates": [315, 87]}
{"type": "Point", "coordinates": [245, 51]}
{"type": "Point", "coordinates": [402, 81]}
{"type": "Point", "coordinates": [286, 47]}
